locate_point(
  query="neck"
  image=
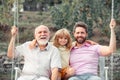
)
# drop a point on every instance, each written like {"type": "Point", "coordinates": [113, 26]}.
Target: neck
{"type": "Point", "coordinates": [79, 44]}
{"type": "Point", "coordinates": [42, 47]}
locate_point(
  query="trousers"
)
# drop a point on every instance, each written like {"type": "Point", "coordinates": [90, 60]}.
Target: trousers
{"type": "Point", "coordinates": [86, 76]}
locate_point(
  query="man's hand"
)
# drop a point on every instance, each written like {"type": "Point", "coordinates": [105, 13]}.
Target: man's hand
{"type": "Point", "coordinates": [14, 31]}
{"type": "Point", "coordinates": [112, 23]}
{"type": "Point", "coordinates": [33, 44]}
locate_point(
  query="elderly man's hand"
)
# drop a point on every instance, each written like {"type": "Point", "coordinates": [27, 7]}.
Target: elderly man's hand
{"type": "Point", "coordinates": [14, 31]}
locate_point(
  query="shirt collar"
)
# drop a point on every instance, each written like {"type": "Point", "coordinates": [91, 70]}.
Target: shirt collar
{"type": "Point", "coordinates": [46, 48]}
{"type": "Point", "coordinates": [83, 45]}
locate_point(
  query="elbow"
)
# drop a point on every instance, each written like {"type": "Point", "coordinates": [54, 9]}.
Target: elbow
{"type": "Point", "coordinates": [113, 50]}
{"type": "Point", "coordinates": [9, 56]}
{"type": "Point", "coordinates": [107, 51]}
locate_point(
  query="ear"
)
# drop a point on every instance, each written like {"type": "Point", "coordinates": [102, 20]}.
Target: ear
{"type": "Point", "coordinates": [86, 34]}
{"type": "Point", "coordinates": [73, 33]}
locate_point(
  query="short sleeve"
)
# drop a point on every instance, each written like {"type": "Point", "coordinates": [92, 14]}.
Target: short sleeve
{"type": "Point", "coordinates": [55, 59]}
{"type": "Point", "coordinates": [21, 49]}
{"type": "Point", "coordinates": [98, 49]}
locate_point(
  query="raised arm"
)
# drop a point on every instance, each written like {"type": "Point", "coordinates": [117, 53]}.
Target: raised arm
{"type": "Point", "coordinates": [11, 45]}
{"type": "Point", "coordinates": [107, 50]}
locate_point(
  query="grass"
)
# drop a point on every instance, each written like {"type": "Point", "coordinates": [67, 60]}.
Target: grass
{"type": "Point", "coordinates": [118, 50]}
{"type": "Point", "coordinates": [3, 47]}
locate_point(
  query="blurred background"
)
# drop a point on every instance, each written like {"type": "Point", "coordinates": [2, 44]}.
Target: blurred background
{"type": "Point", "coordinates": [57, 14]}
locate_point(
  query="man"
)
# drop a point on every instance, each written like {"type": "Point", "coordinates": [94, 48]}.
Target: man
{"type": "Point", "coordinates": [41, 61]}
{"type": "Point", "coordinates": [84, 56]}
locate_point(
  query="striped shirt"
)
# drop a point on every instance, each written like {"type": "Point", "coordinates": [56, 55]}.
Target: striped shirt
{"type": "Point", "coordinates": [85, 59]}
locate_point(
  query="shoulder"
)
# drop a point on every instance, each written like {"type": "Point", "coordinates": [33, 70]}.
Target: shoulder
{"type": "Point", "coordinates": [52, 49]}
{"type": "Point", "coordinates": [50, 44]}
{"type": "Point", "coordinates": [96, 46]}
{"type": "Point", "coordinates": [24, 44]}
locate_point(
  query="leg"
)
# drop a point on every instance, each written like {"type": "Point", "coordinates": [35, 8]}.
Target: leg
{"type": "Point", "coordinates": [43, 78]}
{"type": "Point", "coordinates": [75, 78]}
{"type": "Point", "coordinates": [86, 76]}
{"type": "Point", "coordinates": [94, 78]}
{"type": "Point", "coordinates": [21, 78]}
{"type": "Point", "coordinates": [25, 77]}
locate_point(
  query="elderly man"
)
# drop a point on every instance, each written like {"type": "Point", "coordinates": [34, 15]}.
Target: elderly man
{"type": "Point", "coordinates": [42, 61]}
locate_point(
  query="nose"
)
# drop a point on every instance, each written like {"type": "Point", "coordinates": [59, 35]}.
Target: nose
{"type": "Point", "coordinates": [79, 34]}
{"type": "Point", "coordinates": [42, 33]}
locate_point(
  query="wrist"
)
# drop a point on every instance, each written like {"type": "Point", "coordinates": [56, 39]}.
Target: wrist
{"type": "Point", "coordinates": [112, 29]}
{"type": "Point", "coordinates": [13, 37]}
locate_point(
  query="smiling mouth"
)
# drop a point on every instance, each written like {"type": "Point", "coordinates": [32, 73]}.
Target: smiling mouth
{"type": "Point", "coordinates": [43, 38]}
{"type": "Point", "coordinates": [80, 38]}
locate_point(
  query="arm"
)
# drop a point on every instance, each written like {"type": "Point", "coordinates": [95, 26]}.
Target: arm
{"type": "Point", "coordinates": [54, 75]}
{"type": "Point", "coordinates": [107, 50]}
{"type": "Point", "coordinates": [11, 46]}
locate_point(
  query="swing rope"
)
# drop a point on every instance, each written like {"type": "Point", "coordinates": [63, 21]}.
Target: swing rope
{"type": "Point", "coordinates": [112, 17]}
{"type": "Point", "coordinates": [15, 6]}
{"type": "Point", "coordinates": [112, 10]}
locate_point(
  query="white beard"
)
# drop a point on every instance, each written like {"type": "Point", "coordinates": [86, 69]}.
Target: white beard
{"type": "Point", "coordinates": [42, 42]}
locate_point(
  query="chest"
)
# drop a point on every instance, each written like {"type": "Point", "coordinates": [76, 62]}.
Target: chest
{"type": "Point", "coordinates": [85, 53]}
{"type": "Point", "coordinates": [36, 56]}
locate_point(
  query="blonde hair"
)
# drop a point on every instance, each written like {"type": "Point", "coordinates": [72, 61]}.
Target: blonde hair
{"type": "Point", "coordinates": [61, 33]}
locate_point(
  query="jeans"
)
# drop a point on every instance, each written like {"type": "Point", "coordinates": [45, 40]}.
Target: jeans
{"type": "Point", "coordinates": [86, 76]}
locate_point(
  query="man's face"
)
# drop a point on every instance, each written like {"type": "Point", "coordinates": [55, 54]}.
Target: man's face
{"type": "Point", "coordinates": [80, 35]}
{"type": "Point", "coordinates": [42, 35]}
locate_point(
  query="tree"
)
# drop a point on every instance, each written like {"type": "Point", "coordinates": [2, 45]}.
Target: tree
{"type": "Point", "coordinates": [96, 13]}
{"type": "Point", "coordinates": [69, 12]}
{"type": "Point", "coordinates": [5, 7]}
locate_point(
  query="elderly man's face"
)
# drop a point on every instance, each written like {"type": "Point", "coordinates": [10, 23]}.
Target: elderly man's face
{"type": "Point", "coordinates": [42, 35]}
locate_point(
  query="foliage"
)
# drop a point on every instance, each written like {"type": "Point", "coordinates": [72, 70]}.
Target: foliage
{"type": "Point", "coordinates": [96, 13]}
{"type": "Point", "coordinates": [39, 5]}
{"type": "Point", "coordinates": [5, 15]}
